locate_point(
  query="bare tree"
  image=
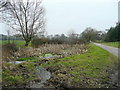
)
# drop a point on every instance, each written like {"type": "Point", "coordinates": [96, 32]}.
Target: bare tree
{"type": "Point", "coordinates": [3, 3]}
{"type": "Point", "coordinates": [26, 17]}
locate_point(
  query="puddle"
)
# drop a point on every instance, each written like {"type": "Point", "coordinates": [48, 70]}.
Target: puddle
{"type": "Point", "coordinates": [17, 62]}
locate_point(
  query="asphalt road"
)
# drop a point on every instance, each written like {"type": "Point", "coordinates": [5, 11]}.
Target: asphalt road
{"type": "Point", "coordinates": [113, 50]}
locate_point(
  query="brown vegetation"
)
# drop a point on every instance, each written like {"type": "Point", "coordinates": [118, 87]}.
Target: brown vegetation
{"type": "Point", "coordinates": [59, 49]}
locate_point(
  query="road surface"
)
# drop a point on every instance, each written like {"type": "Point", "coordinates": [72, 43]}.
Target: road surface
{"type": "Point", "coordinates": [113, 50]}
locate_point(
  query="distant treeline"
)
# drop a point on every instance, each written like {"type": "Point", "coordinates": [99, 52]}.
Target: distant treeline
{"type": "Point", "coordinates": [56, 39]}
{"type": "Point", "coordinates": [88, 35]}
{"type": "Point", "coordinates": [14, 37]}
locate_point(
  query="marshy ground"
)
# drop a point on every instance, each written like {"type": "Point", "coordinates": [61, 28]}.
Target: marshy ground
{"type": "Point", "coordinates": [60, 67]}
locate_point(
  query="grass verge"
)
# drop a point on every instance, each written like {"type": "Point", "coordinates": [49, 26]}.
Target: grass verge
{"type": "Point", "coordinates": [89, 70]}
{"type": "Point", "coordinates": [113, 44]}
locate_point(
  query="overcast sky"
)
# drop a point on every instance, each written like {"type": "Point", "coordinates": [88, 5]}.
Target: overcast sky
{"type": "Point", "coordinates": [64, 15]}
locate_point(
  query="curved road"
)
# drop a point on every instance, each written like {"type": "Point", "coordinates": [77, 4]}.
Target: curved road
{"type": "Point", "coordinates": [113, 50]}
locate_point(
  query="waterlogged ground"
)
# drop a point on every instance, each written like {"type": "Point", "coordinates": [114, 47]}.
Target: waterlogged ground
{"type": "Point", "coordinates": [20, 67]}
{"type": "Point", "coordinates": [60, 68]}
{"type": "Point", "coordinates": [41, 74]}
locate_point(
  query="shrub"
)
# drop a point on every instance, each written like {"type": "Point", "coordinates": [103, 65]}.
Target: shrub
{"type": "Point", "coordinates": [10, 47]}
{"type": "Point", "coordinates": [8, 52]}
{"type": "Point", "coordinates": [38, 41]}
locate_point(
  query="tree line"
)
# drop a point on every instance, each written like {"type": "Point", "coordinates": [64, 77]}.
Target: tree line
{"type": "Point", "coordinates": [11, 37]}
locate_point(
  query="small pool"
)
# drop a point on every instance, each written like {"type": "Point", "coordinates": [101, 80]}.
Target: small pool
{"type": "Point", "coordinates": [17, 62]}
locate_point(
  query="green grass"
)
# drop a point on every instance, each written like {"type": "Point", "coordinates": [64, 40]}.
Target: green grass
{"type": "Point", "coordinates": [88, 67]}
{"type": "Point", "coordinates": [15, 75]}
{"type": "Point", "coordinates": [31, 59]}
{"type": "Point", "coordinates": [85, 69]}
{"type": "Point", "coordinates": [113, 44]}
{"type": "Point", "coordinates": [17, 42]}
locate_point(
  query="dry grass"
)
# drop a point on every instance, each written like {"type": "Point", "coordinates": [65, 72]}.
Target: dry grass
{"type": "Point", "coordinates": [59, 49]}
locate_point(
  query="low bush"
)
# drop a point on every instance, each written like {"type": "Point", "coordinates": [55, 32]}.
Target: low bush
{"type": "Point", "coordinates": [37, 42]}
{"type": "Point", "coordinates": [8, 51]}
{"type": "Point", "coordinates": [10, 47]}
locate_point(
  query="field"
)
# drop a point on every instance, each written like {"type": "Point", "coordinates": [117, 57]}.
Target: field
{"type": "Point", "coordinates": [17, 42]}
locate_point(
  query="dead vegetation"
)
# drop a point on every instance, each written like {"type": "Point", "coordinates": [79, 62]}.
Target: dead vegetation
{"type": "Point", "coordinates": [55, 49]}
{"type": "Point", "coordinates": [16, 75]}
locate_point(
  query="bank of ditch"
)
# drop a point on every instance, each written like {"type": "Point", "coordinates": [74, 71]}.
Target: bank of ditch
{"type": "Point", "coordinates": [22, 70]}
{"type": "Point", "coordinates": [93, 69]}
